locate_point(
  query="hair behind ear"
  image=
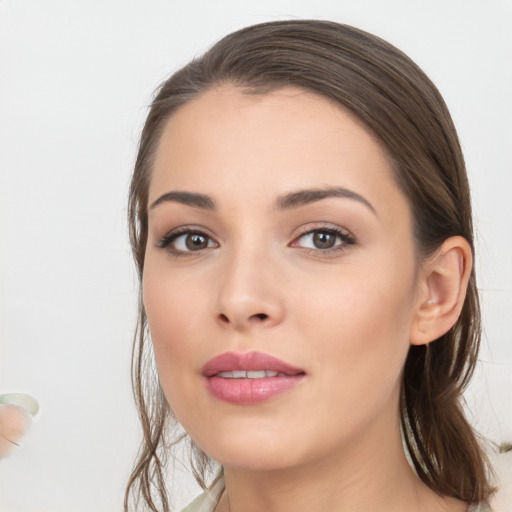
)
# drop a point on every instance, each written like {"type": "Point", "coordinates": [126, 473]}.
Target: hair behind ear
{"type": "Point", "coordinates": [443, 446]}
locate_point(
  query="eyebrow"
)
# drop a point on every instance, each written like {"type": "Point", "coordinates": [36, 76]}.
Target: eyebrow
{"type": "Point", "coordinates": [286, 202]}
{"type": "Point", "coordinates": [187, 198]}
{"type": "Point", "coordinates": [307, 196]}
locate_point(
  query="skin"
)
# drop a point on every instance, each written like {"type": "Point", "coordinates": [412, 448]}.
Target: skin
{"type": "Point", "coordinates": [347, 315]}
{"type": "Point", "coordinates": [14, 421]}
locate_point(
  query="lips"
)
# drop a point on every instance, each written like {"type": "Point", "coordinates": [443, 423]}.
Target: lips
{"type": "Point", "coordinates": [250, 377]}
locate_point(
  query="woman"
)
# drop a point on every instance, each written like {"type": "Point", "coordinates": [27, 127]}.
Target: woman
{"type": "Point", "coordinates": [301, 223]}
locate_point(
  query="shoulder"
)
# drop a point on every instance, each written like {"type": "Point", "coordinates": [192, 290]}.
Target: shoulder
{"type": "Point", "coordinates": [200, 504]}
{"type": "Point", "coordinates": [479, 507]}
{"type": "Point", "coordinates": [207, 501]}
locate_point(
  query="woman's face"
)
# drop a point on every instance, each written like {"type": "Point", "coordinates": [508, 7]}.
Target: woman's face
{"type": "Point", "coordinates": [279, 241]}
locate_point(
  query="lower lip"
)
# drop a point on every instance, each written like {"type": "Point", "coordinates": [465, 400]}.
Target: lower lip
{"type": "Point", "coordinates": [250, 391]}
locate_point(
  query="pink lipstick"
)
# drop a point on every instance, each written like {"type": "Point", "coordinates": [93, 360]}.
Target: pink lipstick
{"type": "Point", "coordinates": [249, 377]}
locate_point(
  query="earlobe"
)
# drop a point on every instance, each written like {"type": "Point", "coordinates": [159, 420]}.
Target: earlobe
{"type": "Point", "coordinates": [443, 283]}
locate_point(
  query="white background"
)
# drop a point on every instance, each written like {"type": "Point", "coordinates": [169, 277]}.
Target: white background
{"type": "Point", "coordinates": [76, 77]}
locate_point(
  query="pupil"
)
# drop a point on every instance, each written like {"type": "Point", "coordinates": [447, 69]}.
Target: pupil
{"type": "Point", "coordinates": [195, 242]}
{"type": "Point", "coordinates": [323, 240]}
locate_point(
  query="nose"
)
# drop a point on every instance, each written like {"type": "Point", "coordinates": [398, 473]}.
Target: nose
{"type": "Point", "coordinates": [250, 294]}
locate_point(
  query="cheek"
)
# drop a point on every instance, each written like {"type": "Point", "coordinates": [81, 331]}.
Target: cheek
{"type": "Point", "coordinates": [172, 312]}
{"type": "Point", "coordinates": [171, 301]}
{"type": "Point", "coordinates": [177, 318]}
{"type": "Point", "coordinates": [361, 322]}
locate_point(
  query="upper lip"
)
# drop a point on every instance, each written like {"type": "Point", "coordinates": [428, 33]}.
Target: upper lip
{"type": "Point", "coordinates": [249, 361]}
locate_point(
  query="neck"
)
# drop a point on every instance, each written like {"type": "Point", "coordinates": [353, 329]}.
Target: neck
{"type": "Point", "coordinates": [370, 473]}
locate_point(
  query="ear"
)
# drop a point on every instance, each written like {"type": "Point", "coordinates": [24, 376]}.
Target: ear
{"type": "Point", "coordinates": [443, 282]}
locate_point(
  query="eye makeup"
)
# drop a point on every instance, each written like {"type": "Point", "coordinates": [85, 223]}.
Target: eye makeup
{"type": "Point", "coordinates": [324, 240]}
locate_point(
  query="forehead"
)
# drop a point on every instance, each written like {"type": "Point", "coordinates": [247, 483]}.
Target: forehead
{"type": "Point", "coordinates": [290, 138]}
{"type": "Point", "coordinates": [260, 118]}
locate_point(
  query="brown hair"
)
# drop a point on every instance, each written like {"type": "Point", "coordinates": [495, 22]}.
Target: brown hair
{"type": "Point", "coordinates": [396, 101]}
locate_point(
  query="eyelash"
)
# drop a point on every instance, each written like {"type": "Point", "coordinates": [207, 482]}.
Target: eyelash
{"type": "Point", "coordinates": [167, 240]}
{"type": "Point", "coordinates": [345, 237]}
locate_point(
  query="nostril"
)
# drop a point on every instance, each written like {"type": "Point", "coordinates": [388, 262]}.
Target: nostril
{"type": "Point", "coordinates": [257, 317]}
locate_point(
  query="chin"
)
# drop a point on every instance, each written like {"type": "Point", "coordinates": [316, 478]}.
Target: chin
{"type": "Point", "coordinates": [255, 458]}
{"type": "Point", "coordinates": [248, 446]}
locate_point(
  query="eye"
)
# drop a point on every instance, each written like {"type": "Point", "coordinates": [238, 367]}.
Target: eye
{"type": "Point", "coordinates": [324, 239]}
{"type": "Point", "coordinates": [319, 240]}
{"type": "Point", "coordinates": [186, 241]}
